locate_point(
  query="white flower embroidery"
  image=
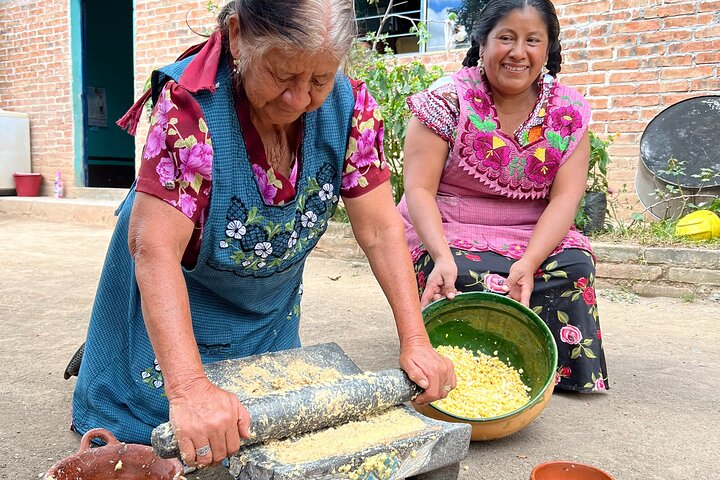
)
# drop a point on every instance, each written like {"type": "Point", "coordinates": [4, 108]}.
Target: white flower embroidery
{"type": "Point", "coordinates": [301, 289]}
{"type": "Point", "coordinates": [235, 229]}
{"type": "Point", "coordinates": [246, 263]}
{"type": "Point", "coordinates": [224, 244]}
{"type": "Point", "coordinates": [261, 264]}
{"type": "Point", "coordinates": [293, 239]}
{"type": "Point", "coordinates": [326, 192]}
{"type": "Point", "coordinates": [145, 375]}
{"type": "Point", "coordinates": [158, 383]}
{"type": "Point", "coordinates": [263, 249]}
{"type": "Point", "coordinates": [308, 219]}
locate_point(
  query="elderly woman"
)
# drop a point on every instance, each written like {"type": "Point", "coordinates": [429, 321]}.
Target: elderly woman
{"type": "Point", "coordinates": [496, 161]}
{"type": "Point", "coordinates": [253, 138]}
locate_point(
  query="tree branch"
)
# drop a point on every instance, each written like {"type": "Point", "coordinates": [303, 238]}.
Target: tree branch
{"type": "Point", "coordinates": [679, 197]}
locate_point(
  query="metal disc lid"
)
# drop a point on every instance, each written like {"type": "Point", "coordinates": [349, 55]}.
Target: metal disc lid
{"type": "Point", "coordinates": [689, 133]}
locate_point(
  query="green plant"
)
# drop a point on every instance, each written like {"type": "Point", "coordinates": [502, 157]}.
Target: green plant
{"type": "Point", "coordinates": [674, 192]}
{"type": "Point", "coordinates": [599, 161]}
{"type": "Point", "coordinates": [689, 297]}
{"type": "Point", "coordinates": [391, 80]}
{"type": "Point", "coordinates": [598, 187]}
{"type": "Point", "coordinates": [468, 11]}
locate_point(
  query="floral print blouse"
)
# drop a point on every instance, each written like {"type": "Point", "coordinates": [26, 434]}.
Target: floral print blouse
{"type": "Point", "coordinates": [438, 108]}
{"type": "Point", "coordinates": [177, 160]}
{"type": "Point", "coordinates": [495, 185]}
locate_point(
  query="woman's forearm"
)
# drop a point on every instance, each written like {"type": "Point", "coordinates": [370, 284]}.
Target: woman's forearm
{"type": "Point", "coordinates": [427, 221]}
{"type": "Point", "coordinates": [166, 312]}
{"type": "Point", "coordinates": [551, 228]}
{"type": "Point", "coordinates": [565, 195]}
{"type": "Point", "coordinates": [157, 237]}
{"type": "Point", "coordinates": [379, 231]}
{"type": "Point", "coordinates": [393, 269]}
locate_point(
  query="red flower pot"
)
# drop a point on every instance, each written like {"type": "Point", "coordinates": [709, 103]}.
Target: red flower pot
{"type": "Point", "coordinates": [568, 471]}
{"type": "Point", "coordinates": [27, 184]}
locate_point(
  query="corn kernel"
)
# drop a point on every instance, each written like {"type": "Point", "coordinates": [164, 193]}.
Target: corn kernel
{"type": "Point", "coordinates": [486, 387]}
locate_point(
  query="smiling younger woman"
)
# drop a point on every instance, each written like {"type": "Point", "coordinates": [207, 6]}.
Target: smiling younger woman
{"type": "Point", "coordinates": [496, 160]}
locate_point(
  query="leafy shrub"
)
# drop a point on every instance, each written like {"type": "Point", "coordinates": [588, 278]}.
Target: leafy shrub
{"type": "Point", "coordinates": [597, 182]}
{"type": "Point", "coordinates": [468, 11]}
{"type": "Point", "coordinates": [599, 160]}
{"type": "Point", "coordinates": [391, 80]}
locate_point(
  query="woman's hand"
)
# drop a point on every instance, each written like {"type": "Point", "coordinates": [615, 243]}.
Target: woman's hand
{"type": "Point", "coordinates": [441, 281]}
{"type": "Point", "coordinates": [520, 282]}
{"type": "Point", "coordinates": [208, 422]}
{"type": "Point", "coordinates": [430, 370]}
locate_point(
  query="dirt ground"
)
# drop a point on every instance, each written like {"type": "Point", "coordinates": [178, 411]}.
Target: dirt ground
{"type": "Point", "coordinates": [658, 421]}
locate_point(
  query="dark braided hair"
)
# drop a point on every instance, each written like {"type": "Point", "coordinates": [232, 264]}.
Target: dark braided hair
{"type": "Point", "coordinates": [496, 10]}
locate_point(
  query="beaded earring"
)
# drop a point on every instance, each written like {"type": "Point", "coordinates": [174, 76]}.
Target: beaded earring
{"type": "Point", "coordinates": [236, 70]}
{"type": "Point", "coordinates": [481, 66]}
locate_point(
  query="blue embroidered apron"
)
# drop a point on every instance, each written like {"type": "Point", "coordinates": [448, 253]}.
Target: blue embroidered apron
{"type": "Point", "coordinates": [246, 288]}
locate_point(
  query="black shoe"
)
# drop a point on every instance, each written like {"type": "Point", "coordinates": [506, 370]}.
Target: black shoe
{"type": "Point", "coordinates": [73, 366]}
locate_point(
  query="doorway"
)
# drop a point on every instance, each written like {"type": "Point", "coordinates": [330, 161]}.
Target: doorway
{"type": "Point", "coordinates": [107, 154]}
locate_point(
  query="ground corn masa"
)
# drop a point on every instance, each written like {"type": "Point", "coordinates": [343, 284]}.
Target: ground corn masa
{"type": "Point", "coordinates": [486, 386]}
{"type": "Point", "coordinates": [348, 438]}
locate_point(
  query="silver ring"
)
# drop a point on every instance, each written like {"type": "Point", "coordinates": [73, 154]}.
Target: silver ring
{"type": "Point", "coordinates": [447, 388]}
{"type": "Point", "coordinates": [202, 451]}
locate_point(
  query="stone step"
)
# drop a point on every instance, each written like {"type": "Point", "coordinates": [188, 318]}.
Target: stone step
{"type": "Point", "coordinates": [647, 271]}
{"type": "Point", "coordinates": [113, 194]}
{"type": "Point", "coordinates": [88, 211]}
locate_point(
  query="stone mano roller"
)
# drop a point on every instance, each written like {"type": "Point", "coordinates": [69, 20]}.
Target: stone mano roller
{"type": "Point", "coordinates": [310, 408]}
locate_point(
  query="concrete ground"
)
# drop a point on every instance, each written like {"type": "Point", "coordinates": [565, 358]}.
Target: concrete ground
{"type": "Point", "coordinates": [659, 420]}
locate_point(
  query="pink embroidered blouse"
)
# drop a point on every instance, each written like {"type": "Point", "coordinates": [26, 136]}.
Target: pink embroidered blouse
{"type": "Point", "coordinates": [177, 159]}
{"type": "Point", "coordinates": [495, 186]}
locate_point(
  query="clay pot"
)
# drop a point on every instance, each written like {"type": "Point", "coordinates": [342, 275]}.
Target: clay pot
{"type": "Point", "coordinates": [568, 471]}
{"type": "Point", "coordinates": [114, 461]}
{"type": "Point", "coordinates": [487, 322]}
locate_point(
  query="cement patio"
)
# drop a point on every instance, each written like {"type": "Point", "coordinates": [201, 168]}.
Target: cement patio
{"type": "Point", "coordinates": [654, 423]}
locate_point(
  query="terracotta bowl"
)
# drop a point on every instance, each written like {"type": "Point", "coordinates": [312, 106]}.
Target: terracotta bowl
{"type": "Point", "coordinates": [489, 322]}
{"type": "Point", "coordinates": [568, 471]}
{"type": "Point", "coordinates": [114, 461]}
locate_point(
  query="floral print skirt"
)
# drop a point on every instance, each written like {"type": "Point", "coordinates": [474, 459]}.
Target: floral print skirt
{"type": "Point", "coordinates": [563, 296]}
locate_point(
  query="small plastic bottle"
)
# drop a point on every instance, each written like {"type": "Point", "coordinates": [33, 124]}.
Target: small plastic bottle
{"type": "Point", "coordinates": [58, 188]}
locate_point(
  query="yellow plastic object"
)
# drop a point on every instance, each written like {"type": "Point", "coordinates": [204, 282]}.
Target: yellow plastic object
{"type": "Point", "coordinates": [699, 225]}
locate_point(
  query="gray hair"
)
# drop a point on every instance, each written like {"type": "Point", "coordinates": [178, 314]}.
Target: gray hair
{"type": "Point", "coordinates": [314, 26]}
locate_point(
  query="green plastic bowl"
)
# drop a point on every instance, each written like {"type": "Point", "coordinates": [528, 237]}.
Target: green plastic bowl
{"type": "Point", "coordinates": [489, 322]}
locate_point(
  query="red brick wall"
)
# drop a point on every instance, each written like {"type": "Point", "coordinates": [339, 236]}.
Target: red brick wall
{"type": "Point", "coordinates": [35, 72]}
{"type": "Point", "coordinates": [634, 58]}
{"type": "Point", "coordinates": [162, 34]}
{"type": "Point", "coordinates": [630, 58]}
